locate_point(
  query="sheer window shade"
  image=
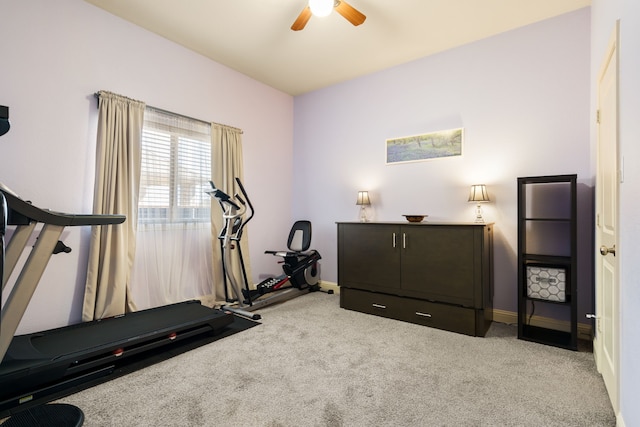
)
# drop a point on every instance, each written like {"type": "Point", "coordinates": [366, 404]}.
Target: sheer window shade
{"type": "Point", "coordinates": [173, 259]}
{"type": "Point", "coordinates": [175, 170]}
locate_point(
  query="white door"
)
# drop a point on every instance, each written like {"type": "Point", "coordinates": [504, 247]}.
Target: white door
{"type": "Point", "coordinates": [607, 326]}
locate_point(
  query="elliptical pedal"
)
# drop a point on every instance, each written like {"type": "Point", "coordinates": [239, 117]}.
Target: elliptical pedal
{"type": "Point", "coordinates": [270, 284]}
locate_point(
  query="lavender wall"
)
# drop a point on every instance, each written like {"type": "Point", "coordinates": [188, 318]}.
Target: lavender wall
{"type": "Point", "coordinates": [522, 98]}
{"type": "Point", "coordinates": [53, 57]}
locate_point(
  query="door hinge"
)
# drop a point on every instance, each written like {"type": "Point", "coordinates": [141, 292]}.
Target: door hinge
{"type": "Point", "coordinates": [598, 116]}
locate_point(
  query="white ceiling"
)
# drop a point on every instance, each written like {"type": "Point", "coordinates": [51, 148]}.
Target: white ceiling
{"type": "Point", "coordinates": [254, 36]}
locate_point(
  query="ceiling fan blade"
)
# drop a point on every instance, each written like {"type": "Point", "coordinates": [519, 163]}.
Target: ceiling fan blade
{"type": "Point", "coordinates": [350, 13]}
{"type": "Point", "coordinates": [302, 19]}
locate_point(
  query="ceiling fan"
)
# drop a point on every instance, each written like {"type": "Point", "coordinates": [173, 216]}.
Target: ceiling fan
{"type": "Point", "coordinates": [324, 8]}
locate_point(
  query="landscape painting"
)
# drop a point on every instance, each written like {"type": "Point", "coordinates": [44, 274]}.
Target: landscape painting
{"type": "Point", "coordinates": [445, 143]}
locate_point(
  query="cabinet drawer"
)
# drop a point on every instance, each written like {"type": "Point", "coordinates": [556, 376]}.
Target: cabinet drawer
{"type": "Point", "coordinates": [435, 315]}
{"type": "Point", "coordinates": [441, 316]}
{"type": "Point", "coordinates": [371, 302]}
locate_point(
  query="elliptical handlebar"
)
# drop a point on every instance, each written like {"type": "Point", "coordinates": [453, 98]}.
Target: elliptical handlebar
{"type": "Point", "coordinates": [221, 196]}
{"type": "Point", "coordinates": [233, 209]}
{"type": "Point", "coordinates": [246, 197]}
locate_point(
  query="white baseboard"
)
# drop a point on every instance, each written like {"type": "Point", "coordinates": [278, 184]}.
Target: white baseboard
{"type": "Point", "coordinates": [330, 286]}
{"type": "Point", "coordinates": [510, 317]}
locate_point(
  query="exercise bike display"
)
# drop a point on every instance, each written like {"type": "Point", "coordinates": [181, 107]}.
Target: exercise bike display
{"type": "Point", "coordinates": [301, 269]}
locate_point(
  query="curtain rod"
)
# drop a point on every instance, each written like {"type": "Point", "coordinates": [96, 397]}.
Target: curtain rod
{"type": "Point", "coordinates": [97, 95]}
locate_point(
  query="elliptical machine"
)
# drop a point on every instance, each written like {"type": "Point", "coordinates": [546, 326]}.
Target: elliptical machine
{"type": "Point", "coordinates": [299, 268]}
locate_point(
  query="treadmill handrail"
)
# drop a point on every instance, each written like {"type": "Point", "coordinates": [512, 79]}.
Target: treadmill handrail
{"type": "Point", "coordinates": [32, 213]}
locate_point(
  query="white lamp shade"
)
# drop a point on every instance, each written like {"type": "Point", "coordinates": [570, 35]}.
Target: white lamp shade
{"type": "Point", "coordinates": [363, 198]}
{"type": "Point", "coordinates": [321, 8]}
{"type": "Point", "coordinates": [479, 193]}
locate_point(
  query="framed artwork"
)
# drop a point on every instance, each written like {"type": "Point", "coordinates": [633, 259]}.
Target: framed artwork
{"type": "Point", "coordinates": [427, 146]}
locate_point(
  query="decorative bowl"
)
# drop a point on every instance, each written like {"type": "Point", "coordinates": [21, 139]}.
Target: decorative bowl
{"type": "Point", "coordinates": [415, 218]}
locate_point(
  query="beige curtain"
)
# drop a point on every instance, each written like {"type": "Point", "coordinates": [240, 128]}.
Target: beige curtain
{"type": "Point", "coordinates": [226, 165]}
{"type": "Point", "coordinates": [112, 248]}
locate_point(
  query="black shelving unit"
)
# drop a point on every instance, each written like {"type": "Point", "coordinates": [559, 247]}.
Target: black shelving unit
{"type": "Point", "coordinates": [547, 260]}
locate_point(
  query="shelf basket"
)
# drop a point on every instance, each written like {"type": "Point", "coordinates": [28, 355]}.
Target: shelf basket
{"type": "Point", "coordinates": [546, 283]}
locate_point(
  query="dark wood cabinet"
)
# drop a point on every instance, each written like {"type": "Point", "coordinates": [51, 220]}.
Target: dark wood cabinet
{"type": "Point", "coordinates": [433, 274]}
{"type": "Point", "coordinates": [547, 259]}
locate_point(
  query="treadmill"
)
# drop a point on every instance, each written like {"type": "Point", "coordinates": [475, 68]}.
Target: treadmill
{"type": "Point", "coordinates": [36, 368]}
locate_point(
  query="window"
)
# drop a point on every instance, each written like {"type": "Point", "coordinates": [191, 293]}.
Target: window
{"type": "Point", "coordinates": [173, 260]}
{"type": "Point", "coordinates": [175, 169]}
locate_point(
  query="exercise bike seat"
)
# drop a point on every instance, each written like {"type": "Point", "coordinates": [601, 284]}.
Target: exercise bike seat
{"type": "Point", "coordinates": [298, 242]}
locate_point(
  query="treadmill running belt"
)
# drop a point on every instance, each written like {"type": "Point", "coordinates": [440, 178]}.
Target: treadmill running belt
{"type": "Point", "coordinates": [119, 330]}
{"type": "Point", "coordinates": [38, 363]}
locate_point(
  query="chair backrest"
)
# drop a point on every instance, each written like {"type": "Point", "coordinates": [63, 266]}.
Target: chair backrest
{"type": "Point", "coordinates": [300, 236]}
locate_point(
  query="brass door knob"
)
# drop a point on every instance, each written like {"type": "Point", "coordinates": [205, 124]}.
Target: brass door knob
{"type": "Point", "coordinates": [605, 250]}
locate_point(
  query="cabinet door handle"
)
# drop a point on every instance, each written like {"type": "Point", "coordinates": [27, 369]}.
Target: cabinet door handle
{"type": "Point", "coordinates": [379, 306]}
{"type": "Point", "coordinates": [422, 314]}
{"type": "Point", "coordinates": [394, 240]}
{"type": "Point", "coordinates": [404, 240]}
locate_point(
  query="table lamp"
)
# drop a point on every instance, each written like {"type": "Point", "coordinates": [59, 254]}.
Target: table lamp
{"type": "Point", "coordinates": [479, 195]}
{"type": "Point", "coordinates": [363, 201]}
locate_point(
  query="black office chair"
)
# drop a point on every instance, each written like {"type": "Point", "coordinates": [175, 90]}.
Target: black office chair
{"type": "Point", "coordinates": [300, 263]}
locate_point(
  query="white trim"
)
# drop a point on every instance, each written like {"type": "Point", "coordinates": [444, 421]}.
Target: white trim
{"type": "Point", "coordinates": [330, 286]}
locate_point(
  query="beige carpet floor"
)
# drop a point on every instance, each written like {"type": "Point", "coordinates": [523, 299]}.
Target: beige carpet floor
{"type": "Point", "coordinates": [311, 363]}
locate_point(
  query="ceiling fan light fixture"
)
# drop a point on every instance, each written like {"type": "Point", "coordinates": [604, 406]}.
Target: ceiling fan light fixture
{"type": "Point", "coordinates": [321, 8]}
